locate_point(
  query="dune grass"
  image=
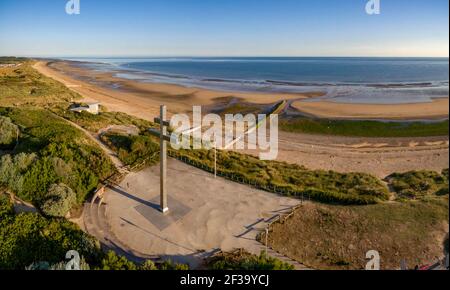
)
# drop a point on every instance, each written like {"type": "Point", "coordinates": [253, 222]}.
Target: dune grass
{"type": "Point", "coordinates": [365, 128]}
{"type": "Point", "coordinates": [24, 86]}
{"type": "Point", "coordinates": [419, 184]}
{"type": "Point", "coordinates": [135, 151]}
{"type": "Point", "coordinates": [94, 123]}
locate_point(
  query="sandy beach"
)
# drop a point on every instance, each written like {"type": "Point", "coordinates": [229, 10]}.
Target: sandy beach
{"type": "Point", "coordinates": [377, 156]}
{"type": "Point", "coordinates": [143, 99]}
{"type": "Point", "coordinates": [437, 109]}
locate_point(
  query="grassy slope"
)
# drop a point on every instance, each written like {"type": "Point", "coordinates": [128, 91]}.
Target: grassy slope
{"type": "Point", "coordinates": [338, 237]}
{"type": "Point", "coordinates": [64, 153]}
{"type": "Point", "coordinates": [24, 86]}
{"type": "Point", "coordinates": [94, 123]}
{"type": "Point", "coordinates": [365, 128]}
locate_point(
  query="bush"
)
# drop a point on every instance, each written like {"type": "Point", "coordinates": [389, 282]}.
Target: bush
{"type": "Point", "coordinates": [112, 261]}
{"type": "Point", "coordinates": [12, 170]}
{"type": "Point", "coordinates": [60, 200]}
{"type": "Point", "coordinates": [242, 260]}
{"type": "Point", "coordinates": [8, 132]}
{"type": "Point", "coordinates": [6, 207]}
{"type": "Point", "coordinates": [419, 184]}
{"type": "Point", "coordinates": [169, 265]}
{"type": "Point", "coordinates": [116, 263]}
{"type": "Point", "coordinates": [133, 150]}
{"type": "Point", "coordinates": [30, 238]}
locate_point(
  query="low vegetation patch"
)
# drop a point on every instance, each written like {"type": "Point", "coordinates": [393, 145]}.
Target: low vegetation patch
{"type": "Point", "coordinates": [60, 199]}
{"type": "Point", "coordinates": [338, 237]}
{"type": "Point", "coordinates": [242, 260]}
{"type": "Point", "coordinates": [134, 151]}
{"type": "Point", "coordinates": [8, 133]}
{"type": "Point", "coordinates": [365, 128]}
{"type": "Point", "coordinates": [24, 86]}
{"type": "Point", "coordinates": [95, 123]}
{"type": "Point", "coordinates": [419, 184]}
{"type": "Point", "coordinates": [117, 263]}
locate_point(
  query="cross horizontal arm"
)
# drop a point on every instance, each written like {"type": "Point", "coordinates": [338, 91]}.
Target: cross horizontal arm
{"type": "Point", "coordinates": [165, 123]}
{"type": "Point", "coordinates": [157, 133]}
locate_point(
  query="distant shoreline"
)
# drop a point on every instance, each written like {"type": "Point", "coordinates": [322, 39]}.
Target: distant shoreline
{"type": "Point", "coordinates": [340, 80]}
{"type": "Point", "coordinates": [129, 96]}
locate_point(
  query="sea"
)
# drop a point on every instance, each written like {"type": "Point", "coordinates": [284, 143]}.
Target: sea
{"type": "Point", "coordinates": [338, 79]}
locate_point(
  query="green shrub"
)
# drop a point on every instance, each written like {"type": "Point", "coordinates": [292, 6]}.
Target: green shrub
{"type": "Point", "coordinates": [12, 170]}
{"type": "Point", "coordinates": [171, 266]}
{"type": "Point", "coordinates": [148, 266]}
{"type": "Point", "coordinates": [242, 260]}
{"type": "Point", "coordinates": [419, 184]}
{"type": "Point", "coordinates": [8, 132]}
{"type": "Point", "coordinates": [60, 199]}
{"type": "Point", "coordinates": [116, 263]}
{"type": "Point", "coordinates": [138, 151]}
{"type": "Point", "coordinates": [30, 238]}
{"type": "Point", "coordinates": [6, 207]}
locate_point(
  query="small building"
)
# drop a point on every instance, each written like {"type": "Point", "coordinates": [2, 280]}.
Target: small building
{"type": "Point", "coordinates": [93, 108]}
{"type": "Point", "coordinates": [10, 65]}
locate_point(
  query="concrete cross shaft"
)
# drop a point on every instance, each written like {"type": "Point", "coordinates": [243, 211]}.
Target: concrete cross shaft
{"type": "Point", "coordinates": [164, 138]}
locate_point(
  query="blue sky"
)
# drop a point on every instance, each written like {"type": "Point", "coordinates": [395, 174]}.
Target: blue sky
{"type": "Point", "coordinates": [224, 28]}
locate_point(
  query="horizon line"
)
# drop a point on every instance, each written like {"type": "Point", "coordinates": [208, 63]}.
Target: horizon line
{"type": "Point", "coordinates": [213, 56]}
